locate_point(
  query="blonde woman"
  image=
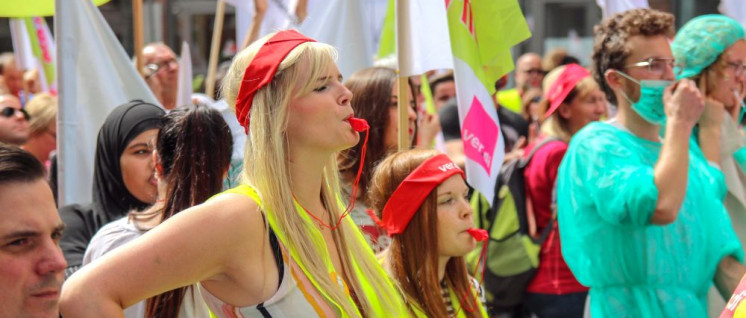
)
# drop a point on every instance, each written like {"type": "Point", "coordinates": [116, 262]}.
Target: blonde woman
{"type": "Point", "coordinates": [42, 141]}
{"type": "Point", "coordinates": [572, 100]}
{"type": "Point", "coordinates": [280, 244]}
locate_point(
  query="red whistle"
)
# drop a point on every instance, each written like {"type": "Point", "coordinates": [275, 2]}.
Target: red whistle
{"type": "Point", "coordinates": [358, 124]}
{"type": "Point", "coordinates": [478, 234]}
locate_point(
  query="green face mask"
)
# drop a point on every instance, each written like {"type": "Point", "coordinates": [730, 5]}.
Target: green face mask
{"type": "Point", "coordinates": [650, 104]}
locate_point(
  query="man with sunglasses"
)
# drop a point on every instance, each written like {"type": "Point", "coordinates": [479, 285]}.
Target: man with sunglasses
{"type": "Point", "coordinates": [528, 74]}
{"type": "Point", "coordinates": [161, 72]}
{"type": "Point", "coordinates": [640, 206]}
{"type": "Point", "coordinates": [14, 121]}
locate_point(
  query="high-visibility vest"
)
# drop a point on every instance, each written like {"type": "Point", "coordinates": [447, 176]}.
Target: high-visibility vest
{"type": "Point", "coordinates": [392, 295]}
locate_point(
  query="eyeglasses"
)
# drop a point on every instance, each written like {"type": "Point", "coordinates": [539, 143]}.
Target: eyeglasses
{"type": "Point", "coordinates": [536, 71]}
{"type": "Point", "coordinates": [655, 65]}
{"type": "Point", "coordinates": [9, 112]}
{"type": "Point", "coordinates": [155, 67]}
{"type": "Point", "coordinates": [738, 68]}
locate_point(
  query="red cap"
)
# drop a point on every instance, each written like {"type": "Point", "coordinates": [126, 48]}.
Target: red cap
{"type": "Point", "coordinates": [563, 85]}
{"type": "Point", "coordinates": [262, 69]}
{"type": "Point", "coordinates": [409, 195]}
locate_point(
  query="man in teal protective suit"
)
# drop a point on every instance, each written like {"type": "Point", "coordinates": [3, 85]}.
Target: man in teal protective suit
{"type": "Point", "coordinates": [641, 217]}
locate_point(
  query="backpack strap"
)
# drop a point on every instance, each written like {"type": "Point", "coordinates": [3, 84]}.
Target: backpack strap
{"type": "Point", "coordinates": [530, 216]}
{"type": "Point", "coordinates": [550, 226]}
{"type": "Point", "coordinates": [529, 209]}
{"type": "Point", "coordinates": [524, 162]}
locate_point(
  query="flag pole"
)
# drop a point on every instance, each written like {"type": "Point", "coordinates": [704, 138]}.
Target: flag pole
{"type": "Point", "coordinates": [260, 10]}
{"type": "Point", "coordinates": [402, 39]}
{"type": "Point", "coordinates": [137, 28]}
{"type": "Point", "coordinates": [217, 31]}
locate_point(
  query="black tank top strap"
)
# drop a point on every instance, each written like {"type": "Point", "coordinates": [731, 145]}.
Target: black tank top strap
{"type": "Point", "coordinates": [274, 244]}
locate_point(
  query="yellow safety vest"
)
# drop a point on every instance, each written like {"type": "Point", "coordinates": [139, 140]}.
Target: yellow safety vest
{"type": "Point", "coordinates": [456, 306]}
{"type": "Point", "coordinates": [392, 294]}
{"type": "Point", "coordinates": [510, 99]}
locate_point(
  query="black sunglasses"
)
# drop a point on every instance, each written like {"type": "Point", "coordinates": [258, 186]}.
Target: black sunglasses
{"type": "Point", "coordinates": [9, 112]}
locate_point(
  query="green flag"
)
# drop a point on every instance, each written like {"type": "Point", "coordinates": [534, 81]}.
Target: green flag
{"type": "Point", "coordinates": [32, 8]}
{"type": "Point", "coordinates": [387, 42]}
{"type": "Point", "coordinates": [484, 41]}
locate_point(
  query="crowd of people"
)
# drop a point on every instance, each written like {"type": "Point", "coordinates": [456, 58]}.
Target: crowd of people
{"type": "Point", "coordinates": [634, 169]}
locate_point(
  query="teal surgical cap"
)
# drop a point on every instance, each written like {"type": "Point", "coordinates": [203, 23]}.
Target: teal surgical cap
{"type": "Point", "coordinates": [701, 40]}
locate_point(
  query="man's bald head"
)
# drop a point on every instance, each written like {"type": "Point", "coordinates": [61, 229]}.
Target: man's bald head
{"type": "Point", "coordinates": [12, 75]}
{"type": "Point", "coordinates": [162, 66]}
{"type": "Point", "coordinates": [528, 71]}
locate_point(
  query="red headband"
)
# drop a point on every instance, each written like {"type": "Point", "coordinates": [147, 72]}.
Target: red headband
{"type": "Point", "coordinates": [565, 83]}
{"type": "Point", "coordinates": [409, 195]}
{"type": "Point", "coordinates": [262, 69]}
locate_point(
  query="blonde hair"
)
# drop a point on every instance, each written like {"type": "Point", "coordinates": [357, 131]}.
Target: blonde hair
{"type": "Point", "coordinates": [555, 125]}
{"type": "Point", "coordinates": [42, 110]}
{"type": "Point", "coordinates": [266, 169]}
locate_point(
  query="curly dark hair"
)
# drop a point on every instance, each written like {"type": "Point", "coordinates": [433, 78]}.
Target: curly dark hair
{"type": "Point", "coordinates": [610, 49]}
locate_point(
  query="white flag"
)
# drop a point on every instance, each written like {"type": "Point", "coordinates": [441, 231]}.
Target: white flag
{"type": "Point", "coordinates": [611, 7]}
{"type": "Point", "coordinates": [94, 76]}
{"type": "Point", "coordinates": [342, 24]}
{"type": "Point", "coordinates": [280, 15]}
{"type": "Point", "coordinates": [735, 9]}
{"type": "Point", "coordinates": [184, 91]}
{"type": "Point", "coordinates": [482, 33]}
{"type": "Point", "coordinates": [423, 25]}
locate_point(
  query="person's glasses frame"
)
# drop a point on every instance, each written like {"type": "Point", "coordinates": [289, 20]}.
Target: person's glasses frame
{"type": "Point", "coordinates": [9, 112]}
{"type": "Point", "coordinates": [536, 71]}
{"type": "Point", "coordinates": [655, 65]}
{"type": "Point", "coordinates": [738, 68]}
{"type": "Point", "coordinates": [155, 67]}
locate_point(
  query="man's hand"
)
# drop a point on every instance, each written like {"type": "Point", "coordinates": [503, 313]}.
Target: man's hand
{"type": "Point", "coordinates": [518, 150]}
{"type": "Point", "coordinates": [683, 102]}
{"type": "Point", "coordinates": [712, 116]}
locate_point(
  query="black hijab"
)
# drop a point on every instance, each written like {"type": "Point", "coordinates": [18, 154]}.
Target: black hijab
{"type": "Point", "coordinates": [111, 199]}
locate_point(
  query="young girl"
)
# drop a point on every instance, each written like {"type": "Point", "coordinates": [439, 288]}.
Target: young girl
{"type": "Point", "coordinates": [280, 244]}
{"type": "Point", "coordinates": [421, 200]}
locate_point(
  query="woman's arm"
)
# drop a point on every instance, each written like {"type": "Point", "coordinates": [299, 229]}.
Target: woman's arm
{"type": "Point", "coordinates": [201, 243]}
{"type": "Point", "coordinates": [710, 126]}
{"type": "Point", "coordinates": [727, 276]}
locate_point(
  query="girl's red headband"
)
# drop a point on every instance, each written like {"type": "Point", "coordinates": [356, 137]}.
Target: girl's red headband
{"type": "Point", "coordinates": [409, 195]}
{"type": "Point", "coordinates": [262, 69]}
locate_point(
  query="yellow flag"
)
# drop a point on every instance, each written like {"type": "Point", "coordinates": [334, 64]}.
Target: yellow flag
{"type": "Point", "coordinates": [31, 8]}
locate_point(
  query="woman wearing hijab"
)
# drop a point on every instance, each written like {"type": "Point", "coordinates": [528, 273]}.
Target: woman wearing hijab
{"type": "Point", "coordinates": [280, 245]}
{"type": "Point", "coordinates": [193, 152]}
{"type": "Point", "coordinates": [123, 177]}
{"type": "Point", "coordinates": [421, 200]}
